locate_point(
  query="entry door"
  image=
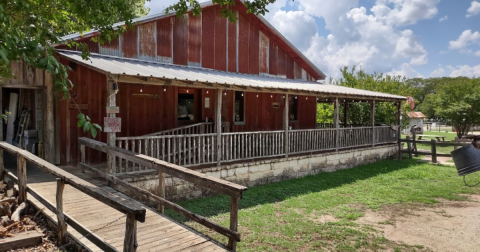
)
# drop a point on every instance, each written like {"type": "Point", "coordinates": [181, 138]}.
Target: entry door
{"type": "Point", "coordinates": [188, 108]}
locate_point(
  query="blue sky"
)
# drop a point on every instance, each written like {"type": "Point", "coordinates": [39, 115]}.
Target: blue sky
{"type": "Point", "coordinates": [412, 38]}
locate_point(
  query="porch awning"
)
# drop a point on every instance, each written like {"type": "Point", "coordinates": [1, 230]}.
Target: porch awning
{"type": "Point", "coordinates": [148, 72]}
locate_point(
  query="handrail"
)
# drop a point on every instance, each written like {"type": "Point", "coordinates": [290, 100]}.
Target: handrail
{"type": "Point", "coordinates": [197, 128]}
{"type": "Point", "coordinates": [163, 132]}
{"type": "Point", "coordinates": [235, 191]}
{"type": "Point", "coordinates": [133, 210]}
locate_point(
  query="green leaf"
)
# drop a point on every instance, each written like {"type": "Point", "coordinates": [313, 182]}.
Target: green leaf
{"type": "Point", "coordinates": [93, 131]}
{"type": "Point", "coordinates": [81, 122]}
{"type": "Point", "coordinates": [81, 116]}
{"type": "Point", "coordinates": [97, 126]}
{"type": "Point", "coordinates": [87, 126]}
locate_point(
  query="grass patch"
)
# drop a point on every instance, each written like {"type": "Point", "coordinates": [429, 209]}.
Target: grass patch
{"type": "Point", "coordinates": [281, 216]}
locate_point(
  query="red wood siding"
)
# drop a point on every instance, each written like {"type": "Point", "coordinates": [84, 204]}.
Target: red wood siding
{"type": "Point", "coordinates": [290, 68]}
{"type": "Point", "coordinates": [129, 43]}
{"type": "Point", "coordinates": [208, 37]}
{"type": "Point", "coordinates": [282, 63]}
{"type": "Point", "coordinates": [243, 44]}
{"type": "Point", "coordinates": [164, 39]}
{"type": "Point", "coordinates": [220, 41]}
{"type": "Point", "coordinates": [232, 47]}
{"type": "Point", "coordinates": [180, 40]}
{"type": "Point", "coordinates": [194, 39]}
{"type": "Point", "coordinates": [253, 50]}
{"type": "Point", "coordinates": [263, 53]}
{"type": "Point", "coordinates": [273, 58]}
{"type": "Point", "coordinates": [146, 39]}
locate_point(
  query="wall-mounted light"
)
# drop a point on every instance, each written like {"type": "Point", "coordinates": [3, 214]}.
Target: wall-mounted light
{"type": "Point", "coordinates": [225, 93]}
{"type": "Point", "coordinates": [207, 91]}
{"type": "Point", "coordinates": [257, 94]}
{"type": "Point", "coordinates": [242, 93]}
{"type": "Point", "coordinates": [306, 98]}
{"type": "Point", "coordinates": [141, 89]}
{"type": "Point", "coordinates": [296, 97]}
{"type": "Point", "coordinates": [271, 96]}
{"type": "Point", "coordinates": [164, 89]}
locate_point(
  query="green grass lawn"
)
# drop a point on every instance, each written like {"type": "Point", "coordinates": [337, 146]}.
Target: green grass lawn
{"type": "Point", "coordinates": [284, 216]}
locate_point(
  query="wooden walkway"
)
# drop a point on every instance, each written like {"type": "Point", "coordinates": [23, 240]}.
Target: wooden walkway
{"type": "Point", "coordinates": [157, 233]}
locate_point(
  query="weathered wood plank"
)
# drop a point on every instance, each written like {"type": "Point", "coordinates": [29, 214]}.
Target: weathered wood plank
{"type": "Point", "coordinates": [22, 179]}
{"type": "Point", "coordinates": [62, 225]}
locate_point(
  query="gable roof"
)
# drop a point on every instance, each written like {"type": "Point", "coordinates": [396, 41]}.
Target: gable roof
{"type": "Point", "coordinates": [140, 71]}
{"type": "Point", "coordinates": [263, 25]}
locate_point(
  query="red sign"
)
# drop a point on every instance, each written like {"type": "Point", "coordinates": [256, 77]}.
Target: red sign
{"type": "Point", "coordinates": [112, 124]}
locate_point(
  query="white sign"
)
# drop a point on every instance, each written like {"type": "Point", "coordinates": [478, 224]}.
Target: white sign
{"type": "Point", "coordinates": [112, 124]}
{"type": "Point", "coordinates": [434, 125]}
{"type": "Point", "coordinates": [207, 102]}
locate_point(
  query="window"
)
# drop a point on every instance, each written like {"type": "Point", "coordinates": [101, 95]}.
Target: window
{"type": "Point", "coordinates": [239, 107]}
{"type": "Point", "coordinates": [293, 107]}
{"type": "Point", "coordinates": [185, 107]}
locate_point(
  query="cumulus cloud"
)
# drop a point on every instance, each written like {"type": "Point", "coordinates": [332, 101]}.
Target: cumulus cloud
{"type": "Point", "coordinates": [439, 72]}
{"type": "Point", "coordinates": [407, 71]}
{"type": "Point", "coordinates": [371, 40]}
{"type": "Point", "coordinates": [443, 18]}
{"type": "Point", "coordinates": [465, 70]}
{"type": "Point", "coordinates": [474, 9]}
{"type": "Point", "coordinates": [477, 53]}
{"type": "Point", "coordinates": [465, 39]}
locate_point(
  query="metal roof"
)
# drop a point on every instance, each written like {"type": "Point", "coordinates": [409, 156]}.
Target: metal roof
{"type": "Point", "coordinates": [160, 15]}
{"type": "Point", "coordinates": [116, 66]}
{"type": "Point", "coordinates": [416, 115]}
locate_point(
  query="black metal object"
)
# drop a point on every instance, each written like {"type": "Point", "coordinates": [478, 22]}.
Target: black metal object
{"type": "Point", "coordinates": [466, 159]}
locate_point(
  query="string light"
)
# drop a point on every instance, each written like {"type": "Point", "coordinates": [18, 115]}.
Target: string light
{"type": "Point", "coordinates": [225, 93]}
{"type": "Point", "coordinates": [164, 89]}
{"type": "Point", "coordinates": [306, 98]}
{"type": "Point", "coordinates": [283, 96]}
{"type": "Point", "coordinates": [141, 89]}
{"type": "Point", "coordinates": [242, 93]}
{"type": "Point", "coordinates": [207, 91]}
{"type": "Point", "coordinates": [271, 96]}
{"type": "Point", "coordinates": [187, 90]}
{"type": "Point", "coordinates": [296, 97]}
{"type": "Point", "coordinates": [257, 94]}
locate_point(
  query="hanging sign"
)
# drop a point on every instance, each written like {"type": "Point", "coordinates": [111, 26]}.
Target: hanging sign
{"type": "Point", "coordinates": [112, 124]}
{"type": "Point", "coordinates": [113, 110]}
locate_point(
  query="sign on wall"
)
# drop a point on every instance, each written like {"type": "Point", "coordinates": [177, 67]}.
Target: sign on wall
{"type": "Point", "coordinates": [113, 110]}
{"type": "Point", "coordinates": [112, 124]}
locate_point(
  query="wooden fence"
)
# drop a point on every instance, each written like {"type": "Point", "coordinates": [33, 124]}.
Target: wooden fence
{"type": "Point", "coordinates": [412, 148]}
{"type": "Point", "coordinates": [134, 211]}
{"type": "Point", "coordinates": [198, 128]}
{"type": "Point", "coordinates": [200, 149]}
{"type": "Point", "coordinates": [220, 186]}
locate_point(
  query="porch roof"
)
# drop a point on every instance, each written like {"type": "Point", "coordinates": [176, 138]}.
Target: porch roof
{"type": "Point", "coordinates": [157, 73]}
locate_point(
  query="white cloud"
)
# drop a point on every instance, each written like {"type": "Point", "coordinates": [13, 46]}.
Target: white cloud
{"type": "Point", "coordinates": [443, 18]}
{"type": "Point", "coordinates": [465, 39]}
{"type": "Point", "coordinates": [474, 9]}
{"type": "Point", "coordinates": [465, 70]}
{"type": "Point", "coordinates": [299, 27]}
{"type": "Point", "coordinates": [405, 12]}
{"type": "Point", "coordinates": [439, 72]}
{"type": "Point", "coordinates": [406, 71]}
{"type": "Point", "coordinates": [477, 53]}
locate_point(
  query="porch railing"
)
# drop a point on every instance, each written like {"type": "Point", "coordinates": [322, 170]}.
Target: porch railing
{"type": "Point", "coordinates": [199, 149]}
{"type": "Point", "coordinates": [198, 128]}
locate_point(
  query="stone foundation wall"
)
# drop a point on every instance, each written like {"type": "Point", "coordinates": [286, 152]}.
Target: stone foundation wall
{"type": "Point", "coordinates": [268, 171]}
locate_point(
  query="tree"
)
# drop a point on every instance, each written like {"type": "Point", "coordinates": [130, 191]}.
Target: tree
{"type": "Point", "coordinates": [257, 7]}
{"type": "Point", "coordinates": [457, 100]}
{"type": "Point", "coordinates": [385, 112]}
{"type": "Point", "coordinates": [30, 28]}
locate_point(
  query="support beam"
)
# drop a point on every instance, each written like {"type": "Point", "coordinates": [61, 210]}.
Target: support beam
{"type": "Point", "coordinates": [399, 132]}
{"type": "Point", "coordinates": [285, 122]}
{"type": "Point", "coordinates": [336, 123]}
{"type": "Point", "coordinates": [62, 225]}
{"type": "Point", "coordinates": [372, 120]}
{"type": "Point", "coordinates": [218, 124]}
{"type": "Point", "coordinates": [49, 129]}
{"type": "Point", "coordinates": [232, 243]}
{"type": "Point", "coordinates": [22, 179]}
{"type": "Point", "coordinates": [1, 112]}
{"type": "Point", "coordinates": [111, 101]}
{"type": "Point", "coordinates": [345, 115]}
{"type": "Point", "coordinates": [161, 190]}
{"type": "Point", "coordinates": [130, 242]}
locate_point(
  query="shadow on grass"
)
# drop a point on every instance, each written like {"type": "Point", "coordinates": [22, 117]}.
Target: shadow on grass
{"type": "Point", "coordinates": [276, 192]}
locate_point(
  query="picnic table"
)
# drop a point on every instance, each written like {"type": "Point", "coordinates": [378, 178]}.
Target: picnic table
{"type": "Point", "coordinates": [424, 137]}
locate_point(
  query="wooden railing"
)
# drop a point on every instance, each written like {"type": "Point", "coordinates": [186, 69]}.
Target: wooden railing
{"type": "Point", "coordinates": [341, 125]}
{"type": "Point", "coordinates": [134, 211]}
{"type": "Point", "coordinates": [199, 149]}
{"type": "Point", "coordinates": [198, 128]}
{"type": "Point", "coordinates": [220, 186]}
{"type": "Point", "coordinates": [412, 148]}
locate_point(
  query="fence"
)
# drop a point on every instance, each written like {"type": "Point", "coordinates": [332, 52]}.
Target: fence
{"type": "Point", "coordinates": [198, 128]}
{"type": "Point", "coordinates": [134, 211]}
{"type": "Point", "coordinates": [220, 186]}
{"type": "Point", "coordinates": [200, 149]}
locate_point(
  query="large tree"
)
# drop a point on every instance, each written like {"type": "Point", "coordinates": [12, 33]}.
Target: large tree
{"type": "Point", "coordinates": [457, 100]}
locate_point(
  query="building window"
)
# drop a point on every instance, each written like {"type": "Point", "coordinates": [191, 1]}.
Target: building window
{"type": "Point", "coordinates": [239, 107]}
{"type": "Point", "coordinates": [185, 107]}
{"type": "Point", "coordinates": [293, 108]}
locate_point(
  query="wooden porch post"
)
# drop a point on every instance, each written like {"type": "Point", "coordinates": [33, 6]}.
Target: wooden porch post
{"type": "Point", "coordinates": [1, 112]}
{"type": "Point", "coordinates": [111, 101]}
{"type": "Point", "coordinates": [345, 116]}
{"type": "Point", "coordinates": [335, 121]}
{"type": "Point", "coordinates": [49, 129]}
{"type": "Point", "coordinates": [399, 132]}
{"type": "Point", "coordinates": [219, 126]}
{"type": "Point", "coordinates": [285, 123]}
{"type": "Point", "coordinates": [372, 120]}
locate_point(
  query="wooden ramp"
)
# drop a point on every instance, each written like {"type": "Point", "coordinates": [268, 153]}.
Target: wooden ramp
{"type": "Point", "coordinates": [157, 233]}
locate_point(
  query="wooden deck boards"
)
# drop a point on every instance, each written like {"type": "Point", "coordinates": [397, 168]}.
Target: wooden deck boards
{"type": "Point", "coordinates": [157, 233]}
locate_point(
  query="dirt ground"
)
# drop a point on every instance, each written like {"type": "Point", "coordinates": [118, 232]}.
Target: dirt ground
{"type": "Point", "coordinates": [447, 226]}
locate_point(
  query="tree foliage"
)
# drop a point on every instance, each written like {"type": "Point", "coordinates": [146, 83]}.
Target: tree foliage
{"type": "Point", "coordinates": [257, 7]}
{"type": "Point", "coordinates": [30, 28]}
{"type": "Point", "coordinates": [385, 112]}
{"type": "Point", "coordinates": [457, 100]}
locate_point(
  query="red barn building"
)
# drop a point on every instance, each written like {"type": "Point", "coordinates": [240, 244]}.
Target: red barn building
{"type": "Point", "coordinates": [198, 91]}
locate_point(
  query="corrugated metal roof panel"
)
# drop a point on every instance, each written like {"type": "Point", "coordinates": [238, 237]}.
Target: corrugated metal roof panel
{"type": "Point", "coordinates": [132, 67]}
{"type": "Point", "coordinates": [416, 114]}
